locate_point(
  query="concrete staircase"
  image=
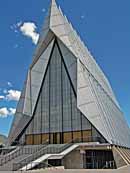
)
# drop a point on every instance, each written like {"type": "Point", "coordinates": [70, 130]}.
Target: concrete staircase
{"type": "Point", "coordinates": [21, 152]}
{"type": "Point", "coordinates": [9, 165]}
{"type": "Point", "coordinates": [42, 155]}
{"type": "Point", "coordinates": [43, 159]}
{"type": "Point", "coordinates": [124, 153]}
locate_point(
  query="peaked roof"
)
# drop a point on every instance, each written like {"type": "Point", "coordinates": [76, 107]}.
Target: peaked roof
{"type": "Point", "coordinates": [56, 23]}
{"type": "Point", "coordinates": [95, 98]}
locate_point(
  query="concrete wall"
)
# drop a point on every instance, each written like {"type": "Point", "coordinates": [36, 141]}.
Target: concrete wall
{"type": "Point", "coordinates": [74, 160]}
{"type": "Point", "coordinates": [118, 159]}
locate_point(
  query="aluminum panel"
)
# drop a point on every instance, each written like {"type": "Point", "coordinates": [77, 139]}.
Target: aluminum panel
{"type": "Point", "coordinates": [103, 110]}
{"type": "Point", "coordinates": [56, 21]}
{"type": "Point", "coordinates": [54, 10]}
{"type": "Point", "coordinates": [27, 101]}
{"type": "Point", "coordinates": [13, 130]}
{"type": "Point", "coordinates": [86, 93]}
{"type": "Point", "coordinates": [90, 109]}
{"type": "Point", "coordinates": [59, 30]}
{"type": "Point", "coordinates": [37, 74]}
{"type": "Point", "coordinates": [46, 23]}
{"type": "Point", "coordinates": [37, 77]}
{"type": "Point", "coordinates": [70, 62]}
{"type": "Point", "coordinates": [20, 105]}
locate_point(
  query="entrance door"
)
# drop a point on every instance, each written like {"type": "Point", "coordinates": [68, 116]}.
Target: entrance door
{"type": "Point", "coordinates": [89, 161]}
{"type": "Point", "coordinates": [99, 159]}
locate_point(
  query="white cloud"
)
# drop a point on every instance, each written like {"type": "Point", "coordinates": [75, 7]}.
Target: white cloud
{"type": "Point", "coordinates": [19, 24]}
{"type": "Point", "coordinates": [12, 111]}
{"type": "Point", "coordinates": [9, 84]}
{"type": "Point", "coordinates": [29, 29]}
{"type": "Point", "coordinates": [16, 26]}
{"type": "Point", "coordinates": [2, 97]}
{"type": "Point", "coordinates": [4, 112]}
{"type": "Point", "coordinates": [13, 95]}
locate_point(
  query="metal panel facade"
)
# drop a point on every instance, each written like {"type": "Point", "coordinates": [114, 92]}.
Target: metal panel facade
{"type": "Point", "coordinates": [95, 98]}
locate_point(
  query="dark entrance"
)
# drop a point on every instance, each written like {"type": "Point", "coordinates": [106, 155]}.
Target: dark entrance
{"type": "Point", "coordinates": [54, 162]}
{"type": "Point", "coordinates": [99, 159]}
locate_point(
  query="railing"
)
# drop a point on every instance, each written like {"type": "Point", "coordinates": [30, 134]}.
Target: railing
{"type": "Point", "coordinates": [52, 150]}
{"type": "Point", "coordinates": [109, 165]}
{"type": "Point", "coordinates": [23, 150]}
{"type": "Point", "coordinates": [87, 139]}
{"type": "Point", "coordinates": [10, 156]}
{"type": "Point", "coordinates": [40, 165]}
{"type": "Point", "coordinates": [47, 150]}
{"type": "Point", "coordinates": [97, 165]}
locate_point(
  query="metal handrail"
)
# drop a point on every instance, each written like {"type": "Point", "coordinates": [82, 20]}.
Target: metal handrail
{"type": "Point", "coordinates": [20, 151]}
{"type": "Point", "coordinates": [54, 150]}
{"type": "Point", "coordinates": [88, 139]}
{"type": "Point", "coordinates": [36, 155]}
{"type": "Point", "coordinates": [31, 157]}
{"type": "Point", "coordinates": [43, 165]}
{"type": "Point", "coordinates": [10, 156]}
{"type": "Point", "coordinates": [43, 151]}
{"type": "Point", "coordinates": [109, 164]}
{"type": "Point", "coordinates": [40, 150]}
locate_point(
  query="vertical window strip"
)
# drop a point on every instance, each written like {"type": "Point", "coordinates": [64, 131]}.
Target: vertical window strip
{"type": "Point", "coordinates": [81, 119]}
{"type": "Point", "coordinates": [41, 117]}
{"type": "Point", "coordinates": [62, 98]}
{"type": "Point", "coordinates": [49, 99]}
{"type": "Point", "coordinates": [71, 113]}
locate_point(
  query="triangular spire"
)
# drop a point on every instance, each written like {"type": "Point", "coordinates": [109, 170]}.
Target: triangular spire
{"type": "Point", "coordinates": [57, 24]}
{"type": "Point", "coordinates": [53, 2]}
{"type": "Point", "coordinates": [54, 10]}
{"type": "Point", "coordinates": [99, 104]}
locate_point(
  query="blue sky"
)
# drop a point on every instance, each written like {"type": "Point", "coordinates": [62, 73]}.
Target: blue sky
{"type": "Point", "coordinates": [104, 26]}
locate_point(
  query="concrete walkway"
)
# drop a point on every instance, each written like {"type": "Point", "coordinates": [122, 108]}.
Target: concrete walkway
{"type": "Point", "coordinates": [121, 170]}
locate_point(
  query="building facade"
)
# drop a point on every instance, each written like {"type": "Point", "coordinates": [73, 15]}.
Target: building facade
{"type": "Point", "coordinates": [67, 98]}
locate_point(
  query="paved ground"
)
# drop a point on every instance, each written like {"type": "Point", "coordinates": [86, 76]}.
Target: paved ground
{"type": "Point", "coordinates": [122, 170]}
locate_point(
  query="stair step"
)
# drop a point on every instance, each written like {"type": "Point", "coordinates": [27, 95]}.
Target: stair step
{"type": "Point", "coordinates": [124, 155]}
{"type": "Point", "coordinates": [127, 154]}
{"type": "Point", "coordinates": [9, 166]}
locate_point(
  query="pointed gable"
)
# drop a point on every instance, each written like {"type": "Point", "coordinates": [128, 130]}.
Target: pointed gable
{"type": "Point", "coordinates": [95, 98]}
